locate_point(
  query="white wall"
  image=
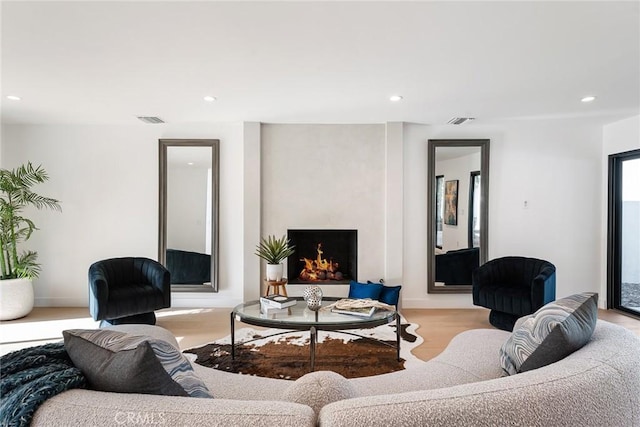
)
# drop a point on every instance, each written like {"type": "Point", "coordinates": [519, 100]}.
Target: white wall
{"type": "Point", "coordinates": [327, 176]}
{"type": "Point", "coordinates": [553, 165]}
{"type": "Point", "coordinates": [273, 177]}
{"type": "Point", "coordinates": [252, 195]}
{"type": "Point", "coordinates": [107, 180]}
{"type": "Point", "coordinates": [394, 187]}
{"type": "Point", "coordinates": [617, 137]}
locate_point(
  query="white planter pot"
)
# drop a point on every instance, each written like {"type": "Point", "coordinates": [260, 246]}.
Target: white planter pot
{"type": "Point", "coordinates": [16, 298]}
{"type": "Point", "coordinates": [274, 272]}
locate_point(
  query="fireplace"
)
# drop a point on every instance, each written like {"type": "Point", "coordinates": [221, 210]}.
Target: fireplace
{"type": "Point", "coordinates": [323, 256]}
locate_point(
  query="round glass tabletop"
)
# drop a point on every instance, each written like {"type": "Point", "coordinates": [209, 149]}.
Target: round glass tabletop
{"type": "Point", "coordinates": [299, 317]}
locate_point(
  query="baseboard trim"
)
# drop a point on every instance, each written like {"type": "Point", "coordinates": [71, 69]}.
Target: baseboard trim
{"type": "Point", "coordinates": [187, 300]}
{"type": "Point", "coordinates": [434, 303]}
{"type": "Point", "coordinates": [202, 300]}
{"type": "Point", "coordinates": [209, 300]}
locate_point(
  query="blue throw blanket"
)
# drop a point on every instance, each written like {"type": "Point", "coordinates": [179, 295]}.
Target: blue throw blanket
{"type": "Point", "coordinates": [30, 376]}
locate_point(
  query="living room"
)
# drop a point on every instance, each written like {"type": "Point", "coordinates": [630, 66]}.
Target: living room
{"type": "Point", "coordinates": [308, 136]}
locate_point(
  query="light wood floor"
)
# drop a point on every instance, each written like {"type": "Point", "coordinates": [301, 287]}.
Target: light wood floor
{"type": "Point", "coordinates": [194, 327]}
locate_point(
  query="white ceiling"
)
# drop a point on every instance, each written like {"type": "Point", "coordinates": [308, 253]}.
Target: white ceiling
{"type": "Point", "coordinates": [307, 62]}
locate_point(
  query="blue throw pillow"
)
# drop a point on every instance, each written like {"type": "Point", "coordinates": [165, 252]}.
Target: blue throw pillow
{"type": "Point", "coordinates": [390, 294]}
{"type": "Point", "coordinates": [363, 290]}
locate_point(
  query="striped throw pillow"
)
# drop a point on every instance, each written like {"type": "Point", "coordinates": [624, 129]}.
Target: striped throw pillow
{"type": "Point", "coordinates": [550, 334]}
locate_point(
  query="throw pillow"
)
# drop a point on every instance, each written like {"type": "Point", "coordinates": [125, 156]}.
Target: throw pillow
{"type": "Point", "coordinates": [363, 290]}
{"type": "Point", "coordinates": [521, 320]}
{"type": "Point", "coordinates": [317, 389]}
{"type": "Point", "coordinates": [551, 333]}
{"type": "Point", "coordinates": [150, 331]}
{"type": "Point", "coordinates": [118, 362]}
{"type": "Point", "coordinates": [389, 294]}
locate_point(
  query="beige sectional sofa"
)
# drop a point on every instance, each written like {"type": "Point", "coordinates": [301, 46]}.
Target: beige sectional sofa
{"type": "Point", "coordinates": [598, 385]}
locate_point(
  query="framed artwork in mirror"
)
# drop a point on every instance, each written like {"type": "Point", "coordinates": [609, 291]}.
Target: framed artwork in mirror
{"type": "Point", "coordinates": [451, 202]}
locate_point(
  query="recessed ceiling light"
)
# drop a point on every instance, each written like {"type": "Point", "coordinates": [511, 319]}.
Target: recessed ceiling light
{"type": "Point", "coordinates": [395, 98]}
{"type": "Point", "coordinates": [13, 97]}
{"type": "Point", "coordinates": [588, 98]}
{"type": "Point", "coordinates": [190, 163]}
{"type": "Point", "coordinates": [209, 98]}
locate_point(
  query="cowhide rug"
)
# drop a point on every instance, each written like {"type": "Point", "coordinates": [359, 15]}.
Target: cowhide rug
{"type": "Point", "coordinates": [287, 356]}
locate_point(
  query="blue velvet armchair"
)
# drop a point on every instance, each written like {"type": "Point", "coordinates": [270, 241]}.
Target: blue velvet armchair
{"type": "Point", "coordinates": [513, 287]}
{"type": "Point", "coordinates": [128, 290]}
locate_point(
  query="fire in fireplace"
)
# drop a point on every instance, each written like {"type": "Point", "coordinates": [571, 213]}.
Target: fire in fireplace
{"type": "Point", "coordinates": [323, 256]}
{"type": "Point", "coordinates": [320, 269]}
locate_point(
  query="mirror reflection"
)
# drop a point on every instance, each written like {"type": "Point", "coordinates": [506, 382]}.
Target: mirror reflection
{"type": "Point", "coordinates": [188, 213]}
{"type": "Point", "coordinates": [457, 211]}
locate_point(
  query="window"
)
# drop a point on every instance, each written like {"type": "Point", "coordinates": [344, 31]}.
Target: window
{"type": "Point", "coordinates": [623, 266]}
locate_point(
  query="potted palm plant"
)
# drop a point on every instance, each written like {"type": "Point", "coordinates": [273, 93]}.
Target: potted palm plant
{"type": "Point", "coordinates": [274, 251]}
{"type": "Point", "coordinates": [19, 269]}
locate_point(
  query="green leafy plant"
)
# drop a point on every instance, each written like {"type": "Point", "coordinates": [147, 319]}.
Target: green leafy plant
{"type": "Point", "coordinates": [15, 196]}
{"type": "Point", "coordinates": [274, 250]}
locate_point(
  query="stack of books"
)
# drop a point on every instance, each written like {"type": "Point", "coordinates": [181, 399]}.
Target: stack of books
{"type": "Point", "coordinates": [276, 305]}
{"type": "Point", "coordinates": [363, 307]}
{"type": "Point", "coordinates": [361, 311]}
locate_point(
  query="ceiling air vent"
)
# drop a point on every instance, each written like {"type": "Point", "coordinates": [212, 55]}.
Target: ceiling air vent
{"type": "Point", "coordinates": [459, 120]}
{"type": "Point", "coordinates": [150, 120]}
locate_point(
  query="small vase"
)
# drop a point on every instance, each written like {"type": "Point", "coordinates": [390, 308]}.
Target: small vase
{"type": "Point", "coordinates": [313, 296]}
{"type": "Point", "coordinates": [274, 272]}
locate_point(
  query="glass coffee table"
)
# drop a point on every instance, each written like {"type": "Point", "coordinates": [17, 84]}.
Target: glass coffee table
{"type": "Point", "coordinates": [300, 318]}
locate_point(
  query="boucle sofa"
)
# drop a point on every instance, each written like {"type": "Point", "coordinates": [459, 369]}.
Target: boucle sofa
{"type": "Point", "coordinates": [597, 385]}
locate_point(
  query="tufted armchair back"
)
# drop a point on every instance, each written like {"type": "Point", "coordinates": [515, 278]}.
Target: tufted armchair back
{"type": "Point", "coordinates": [515, 286]}
{"type": "Point", "coordinates": [518, 271]}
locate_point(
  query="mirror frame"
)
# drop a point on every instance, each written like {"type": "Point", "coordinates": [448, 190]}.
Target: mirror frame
{"type": "Point", "coordinates": [162, 223]}
{"type": "Point", "coordinates": [431, 206]}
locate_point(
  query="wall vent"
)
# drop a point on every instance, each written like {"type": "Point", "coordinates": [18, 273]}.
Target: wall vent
{"type": "Point", "coordinates": [459, 120]}
{"type": "Point", "coordinates": [150, 120]}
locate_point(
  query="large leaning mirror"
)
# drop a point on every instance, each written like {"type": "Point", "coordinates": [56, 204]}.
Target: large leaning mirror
{"type": "Point", "coordinates": [188, 223]}
{"type": "Point", "coordinates": [458, 195]}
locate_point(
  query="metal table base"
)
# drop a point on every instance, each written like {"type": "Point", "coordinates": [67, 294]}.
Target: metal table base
{"type": "Point", "coordinates": [313, 337]}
